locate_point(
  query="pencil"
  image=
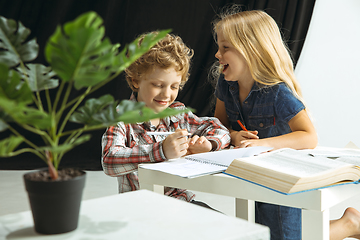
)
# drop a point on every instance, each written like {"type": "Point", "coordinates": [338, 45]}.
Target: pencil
{"type": "Point", "coordinates": [162, 133]}
{"type": "Point", "coordinates": [241, 125]}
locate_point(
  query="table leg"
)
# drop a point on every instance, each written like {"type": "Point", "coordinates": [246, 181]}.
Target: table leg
{"type": "Point", "coordinates": [146, 186]}
{"type": "Point", "coordinates": [152, 187]}
{"type": "Point", "coordinates": [159, 189]}
{"type": "Point", "coordinates": [245, 209]}
{"type": "Point", "coordinates": [315, 224]}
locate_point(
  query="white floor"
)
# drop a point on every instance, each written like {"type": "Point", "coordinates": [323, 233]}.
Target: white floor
{"type": "Point", "coordinates": [13, 197]}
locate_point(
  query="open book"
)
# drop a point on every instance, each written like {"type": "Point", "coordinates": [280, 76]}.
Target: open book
{"type": "Point", "coordinates": [290, 171]}
{"type": "Point", "coordinates": [200, 164]}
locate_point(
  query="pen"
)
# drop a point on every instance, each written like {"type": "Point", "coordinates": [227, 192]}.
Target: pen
{"type": "Point", "coordinates": [242, 126]}
{"type": "Point", "coordinates": [162, 133]}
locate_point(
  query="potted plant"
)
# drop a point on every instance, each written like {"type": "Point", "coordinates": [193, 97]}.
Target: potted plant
{"type": "Point", "coordinates": [80, 58]}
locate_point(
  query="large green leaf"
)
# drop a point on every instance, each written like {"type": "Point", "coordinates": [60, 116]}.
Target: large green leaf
{"type": "Point", "coordinates": [78, 52]}
{"type": "Point", "coordinates": [105, 111]}
{"type": "Point", "coordinates": [39, 77]}
{"type": "Point", "coordinates": [111, 115]}
{"type": "Point", "coordinates": [92, 106]}
{"type": "Point", "coordinates": [8, 145]}
{"type": "Point", "coordinates": [23, 114]}
{"type": "Point", "coordinates": [130, 112]}
{"type": "Point", "coordinates": [11, 86]}
{"type": "Point", "coordinates": [13, 45]}
{"type": "Point", "coordinates": [135, 50]}
{"type": "Point", "coordinates": [147, 114]}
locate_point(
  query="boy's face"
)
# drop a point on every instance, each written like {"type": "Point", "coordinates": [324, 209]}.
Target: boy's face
{"type": "Point", "coordinates": [158, 89]}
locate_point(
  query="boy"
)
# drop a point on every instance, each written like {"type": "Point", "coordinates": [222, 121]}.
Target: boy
{"type": "Point", "coordinates": [156, 79]}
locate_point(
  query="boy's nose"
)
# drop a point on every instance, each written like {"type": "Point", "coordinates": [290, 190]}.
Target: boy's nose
{"type": "Point", "coordinates": [166, 92]}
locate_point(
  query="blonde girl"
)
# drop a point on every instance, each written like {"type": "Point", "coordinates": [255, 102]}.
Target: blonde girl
{"type": "Point", "coordinates": [259, 99]}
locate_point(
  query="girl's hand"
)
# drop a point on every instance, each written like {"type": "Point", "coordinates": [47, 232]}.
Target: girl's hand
{"type": "Point", "coordinates": [238, 136]}
{"type": "Point", "coordinates": [176, 144]}
{"type": "Point", "coordinates": [252, 143]}
{"type": "Point", "coordinates": [198, 145]}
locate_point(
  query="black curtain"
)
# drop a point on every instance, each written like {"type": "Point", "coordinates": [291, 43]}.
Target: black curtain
{"type": "Point", "coordinates": [126, 19]}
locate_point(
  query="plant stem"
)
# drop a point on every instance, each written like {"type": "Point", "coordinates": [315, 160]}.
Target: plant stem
{"type": "Point", "coordinates": [70, 140]}
{"type": "Point", "coordinates": [24, 139]}
{"type": "Point", "coordinates": [84, 129]}
{"type": "Point", "coordinates": [48, 100]}
{"type": "Point", "coordinates": [40, 105]}
{"type": "Point", "coordinates": [94, 88]}
{"type": "Point", "coordinates": [30, 150]}
{"type": "Point", "coordinates": [80, 99]}
{"type": "Point", "coordinates": [38, 132]}
{"type": "Point", "coordinates": [57, 98]}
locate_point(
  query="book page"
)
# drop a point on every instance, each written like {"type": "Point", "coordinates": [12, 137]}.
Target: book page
{"type": "Point", "coordinates": [333, 152]}
{"type": "Point", "coordinates": [294, 162]}
{"type": "Point", "coordinates": [349, 159]}
{"type": "Point", "coordinates": [226, 156]}
{"type": "Point", "coordinates": [347, 155]}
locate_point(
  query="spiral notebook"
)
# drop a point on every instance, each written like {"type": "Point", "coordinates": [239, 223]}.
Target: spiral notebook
{"type": "Point", "coordinates": [196, 165]}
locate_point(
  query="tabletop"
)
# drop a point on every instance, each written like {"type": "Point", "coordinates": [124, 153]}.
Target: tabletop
{"type": "Point", "coordinates": [140, 215]}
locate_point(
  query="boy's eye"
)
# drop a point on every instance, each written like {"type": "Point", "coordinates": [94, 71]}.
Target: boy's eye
{"type": "Point", "coordinates": [156, 85]}
{"type": "Point", "coordinates": [175, 87]}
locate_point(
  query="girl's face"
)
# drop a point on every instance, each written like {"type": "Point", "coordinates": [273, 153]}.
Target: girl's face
{"type": "Point", "coordinates": [158, 89]}
{"type": "Point", "coordinates": [234, 65]}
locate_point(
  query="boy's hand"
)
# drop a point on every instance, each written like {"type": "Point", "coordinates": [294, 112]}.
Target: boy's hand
{"type": "Point", "coordinates": [238, 136]}
{"type": "Point", "coordinates": [198, 145]}
{"type": "Point", "coordinates": [176, 144]}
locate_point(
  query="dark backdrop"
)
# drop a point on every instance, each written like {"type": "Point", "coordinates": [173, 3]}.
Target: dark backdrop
{"type": "Point", "coordinates": [126, 19]}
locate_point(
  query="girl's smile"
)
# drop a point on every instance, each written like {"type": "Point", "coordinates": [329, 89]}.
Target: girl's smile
{"type": "Point", "coordinates": [233, 64]}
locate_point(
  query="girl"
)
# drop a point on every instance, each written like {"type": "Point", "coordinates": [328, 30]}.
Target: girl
{"type": "Point", "coordinates": [257, 90]}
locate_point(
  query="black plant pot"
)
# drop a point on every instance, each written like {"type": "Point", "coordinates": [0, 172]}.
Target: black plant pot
{"type": "Point", "coordinates": [55, 205]}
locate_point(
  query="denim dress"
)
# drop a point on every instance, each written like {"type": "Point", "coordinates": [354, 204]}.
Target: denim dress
{"type": "Point", "coordinates": [267, 109]}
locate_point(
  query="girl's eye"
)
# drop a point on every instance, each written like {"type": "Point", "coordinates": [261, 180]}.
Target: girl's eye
{"type": "Point", "coordinates": [175, 87]}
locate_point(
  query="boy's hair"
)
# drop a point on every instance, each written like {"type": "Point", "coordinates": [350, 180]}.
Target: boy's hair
{"type": "Point", "coordinates": [257, 37]}
{"type": "Point", "coordinates": [171, 51]}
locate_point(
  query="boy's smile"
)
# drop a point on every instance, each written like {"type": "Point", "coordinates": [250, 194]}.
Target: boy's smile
{"type": "Point", "coordinates": [159, 88]}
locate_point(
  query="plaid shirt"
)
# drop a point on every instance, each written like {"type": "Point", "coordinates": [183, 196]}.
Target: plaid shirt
{"type": "Point", "coordinates": [124, 146]}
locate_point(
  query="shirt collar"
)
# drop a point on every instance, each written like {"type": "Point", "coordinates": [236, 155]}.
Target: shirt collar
{"type": "Point", "coordinates": [256, 87]}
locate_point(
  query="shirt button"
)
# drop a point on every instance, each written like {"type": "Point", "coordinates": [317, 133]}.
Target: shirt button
{"type": "Point", "coordinates": [246, 102]}
{"type": "Point", "coordinates": [261, 125]}
{"type": "Point", "coordinates": [232, 88]}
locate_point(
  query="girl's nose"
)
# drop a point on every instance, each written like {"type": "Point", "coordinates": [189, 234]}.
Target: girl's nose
{"type": "Point", "coordinates": [217, 54]}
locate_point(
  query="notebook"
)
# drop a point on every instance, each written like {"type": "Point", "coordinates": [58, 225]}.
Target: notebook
{"type": "Point", "coordinates": [196, 165]}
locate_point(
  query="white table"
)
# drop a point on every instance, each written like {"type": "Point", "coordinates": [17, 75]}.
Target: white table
{"type": "Point", "coordinates": [314, 204]}
{"type": "Point", "coordinates": [140, 215]}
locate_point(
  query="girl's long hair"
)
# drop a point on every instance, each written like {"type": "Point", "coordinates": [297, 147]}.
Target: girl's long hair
{"type": "Point", "coordinates": [257, 37]}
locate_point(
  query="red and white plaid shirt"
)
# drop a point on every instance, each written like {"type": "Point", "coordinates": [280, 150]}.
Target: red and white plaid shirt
{"type": "Point", "coordinates": [124, 146]}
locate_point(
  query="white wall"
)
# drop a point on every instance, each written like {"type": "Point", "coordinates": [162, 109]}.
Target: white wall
{"type": "Point", "coordinates": [329, 71]}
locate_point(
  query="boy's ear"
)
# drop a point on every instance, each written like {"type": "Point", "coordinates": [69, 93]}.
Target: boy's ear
{"type": "Point", "coordinates": [135, 83]}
